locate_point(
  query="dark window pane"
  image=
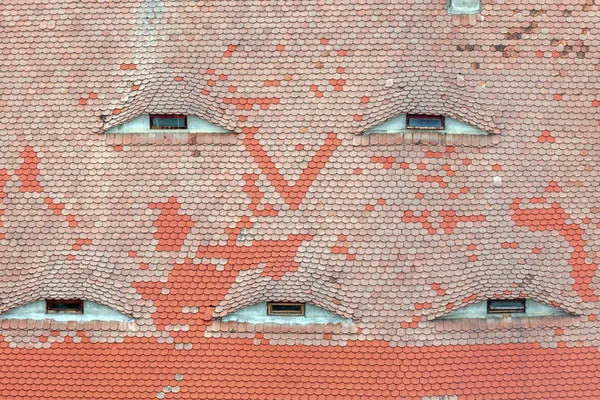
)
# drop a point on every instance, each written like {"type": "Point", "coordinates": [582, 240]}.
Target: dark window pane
{"type": "Point", "coordinates": [64, 306]}
{"type": "Point", "coordinates": [415, 121]}
{"type": "Point", "coordinates": [506, 306]}
{"type": "Point", "coordinates": [168, 121]}
{"type": "Point", "coordinates": [288, 309]}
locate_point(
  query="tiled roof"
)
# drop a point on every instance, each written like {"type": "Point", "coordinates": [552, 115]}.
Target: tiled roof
{"type": "Point", "coordinates": [297, 204]}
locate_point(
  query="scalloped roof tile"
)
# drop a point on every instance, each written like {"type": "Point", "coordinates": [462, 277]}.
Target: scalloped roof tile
{"type": "Point", "coordinates": [391, 231]}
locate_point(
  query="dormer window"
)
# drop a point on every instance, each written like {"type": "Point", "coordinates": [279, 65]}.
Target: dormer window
{"type": "Point", "coordinates": [285, 313]}
{"type": "Point", "coordinates": [411, 123]}
{"type": "Point", "coordinates": [285, 309]}
{"type": "Point", "coordinates": [426, 129]}
{"type": "Point", "coordinates": [424, 121]}
{"type": "Point", "coordinates": [168, 121]}
{"type": "Point", "coordinates": [64, 306]}
{"type": "Point", "coordinates": [506, 306]}
{"type": "Point", "coordinates": [65, 310]}
{"type": "Point", "coordinates": [499, 308]}
{"type": "Point", "coordinates": [155, 127]}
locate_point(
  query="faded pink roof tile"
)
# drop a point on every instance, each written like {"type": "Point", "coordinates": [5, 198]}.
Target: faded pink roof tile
{"type": "Point", "coordinates": [391, 231]}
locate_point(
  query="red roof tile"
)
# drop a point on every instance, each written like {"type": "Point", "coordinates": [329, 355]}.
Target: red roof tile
{"type": "Point", "coordinates": [393, 231]}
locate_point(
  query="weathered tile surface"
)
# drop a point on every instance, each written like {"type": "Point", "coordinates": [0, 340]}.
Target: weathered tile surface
{"type": "Point", "coordinates": [177, 231]}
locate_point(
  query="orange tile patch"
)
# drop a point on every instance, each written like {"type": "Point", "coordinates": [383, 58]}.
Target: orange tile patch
{"type": "Point", "coordinates": [390, 231]}
{"type": "Point", "coordinates": [28, 172]}
{"type": "Point", "coordinates": [451, 220]}
{"type": "Point", "coordinates": [316, 91]}
{"type": "Point", "coordinates": [4, 177]}
{"type": "Point", "coordinates": [172, 225]}
{"type": "Point", "coordinates": [340, 249]}
{"type": "Point", "coordinates": [72, 220]}
{"type": "Point", "coordinates": [249, 103]}
{"type": "Point", "coordinates": [470, 298]}
{"type": "Point", "coordinates": [338, 84]}
{"type": "Point", "coordinates": [425, 305]}
{"type": "Point", "coordinates": [79, 243]}
{"type": "Point", "coordinates": [56, 207]}
{"type": "Point", "coordinates": [554, 218]}
{"type": "Point", "coordinates": [433, 154]}
{"type": "Point", "coordinates": [553, 187]}
{"type": "Point", "coordinates": [438, 288]}
{"type": "Point", "coordinates": [308, 370]}
{"type": "Point", "coordinates": [546, 137]}
{"type": "Point", "coordinates": [386, 161]}
{"type": "Point", "coordinates": [277, 257]}
{"type": "Point", "coordinates": [293, 195]}
{"type": "Point", "coordinates": [229, 52]}
{"type": "Point", "coordinates": [419, 217]}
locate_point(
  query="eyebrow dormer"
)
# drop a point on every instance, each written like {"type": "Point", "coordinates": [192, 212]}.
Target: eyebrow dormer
{"type": "Point", "coordinates": [286, 313]}
{"type": "Point", "coordinates": [497, 308]}
{"type": "Point", "coordinates": [149, 123]}
{"type": "Point", "coordinates": [431, 129]}
{"type": "Point", "coordinates": [167, 128]}
{"type": "Point", "coordinates": [65, 310]}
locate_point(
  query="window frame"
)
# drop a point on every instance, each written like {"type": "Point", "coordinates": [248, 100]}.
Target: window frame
{"type": "Point", "coordinates": [280, 313]}
{"type": "Point", "coordinates": [151, 118]}
{"type": "Point", "coordinates": [441, 118]}
{"type": "Point", "coordinates": [51, 310]}
{"type": "Point", "coordinates": [515, 310]}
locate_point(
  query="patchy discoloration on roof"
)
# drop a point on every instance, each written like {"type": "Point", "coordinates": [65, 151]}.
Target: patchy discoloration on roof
{"type": "Point", "coordinates": [297, 205]}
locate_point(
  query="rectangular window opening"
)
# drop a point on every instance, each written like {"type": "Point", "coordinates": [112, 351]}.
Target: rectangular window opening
{"type": "Point", "coordinates": [423, 121]}
{"type": "Point", "coordinates": [506, 306]}
{"type": "Point", "coordinates": [64, 306]}
{"type": "Point", "coordinates": [168, 121]}
{"type": "Point", "coordinates": [285, 309]}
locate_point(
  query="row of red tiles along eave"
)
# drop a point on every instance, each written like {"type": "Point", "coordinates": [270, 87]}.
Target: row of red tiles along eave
{"type": "Point", "coordinates": [390, 230]}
